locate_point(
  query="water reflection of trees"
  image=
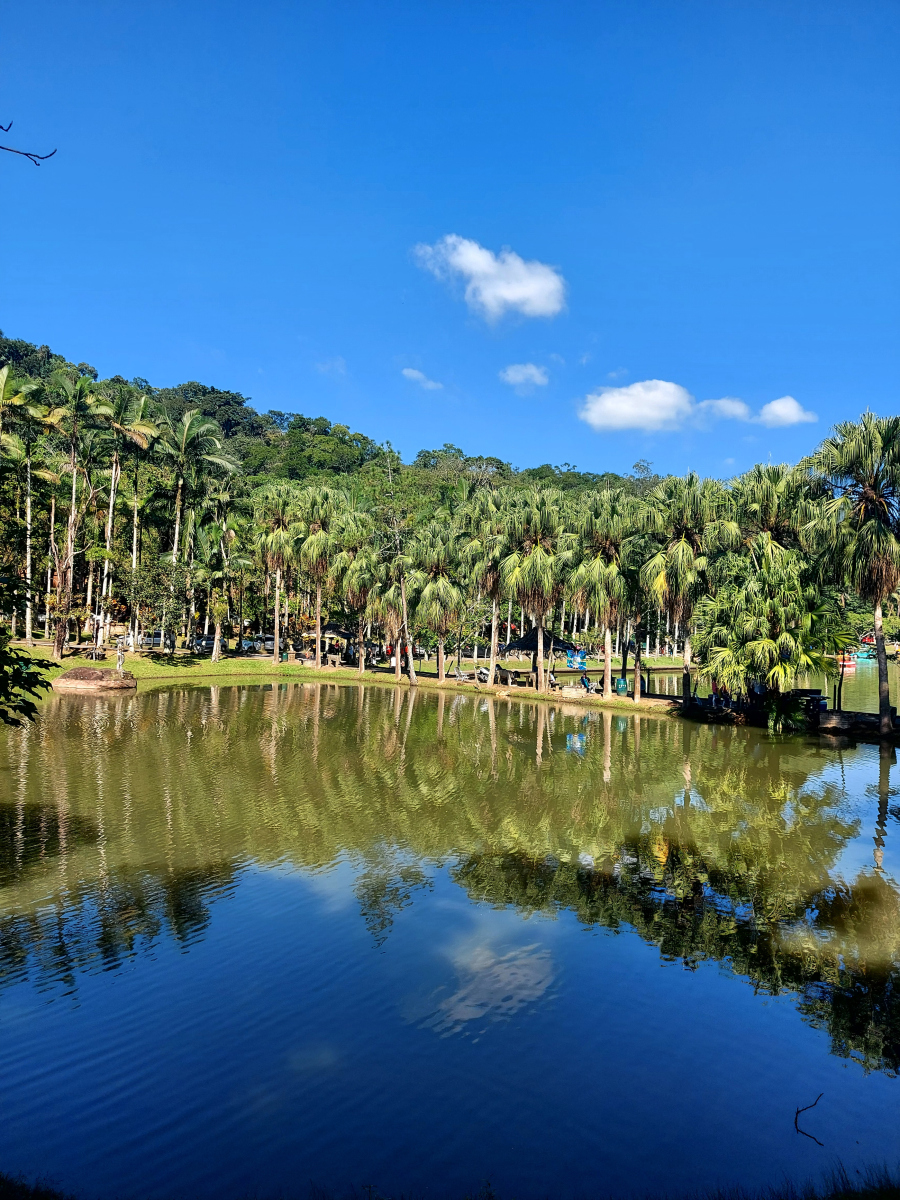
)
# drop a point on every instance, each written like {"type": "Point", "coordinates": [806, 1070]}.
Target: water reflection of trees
{"type": "Point", "coordinates": [712, 843]}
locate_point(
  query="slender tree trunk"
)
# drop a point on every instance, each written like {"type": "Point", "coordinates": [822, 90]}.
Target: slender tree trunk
{"type": "Point", "coordinates": [318, 625]}
{"type": "Point", "coordinates": [276, 649]}
{"type": "Point", "coordinates": [397, 669]}
{"type": "Point", "coordinates": [49, 570]}
{"type": "Point", "coordinates": [214, 657]}
{"type": "Point", "coordinates": [885, 724]}
{"type": "Point", "coordinates": [410, 657]}
{"type": "Point", "coordinates": [361, 644]}
{"type": "Point", "coordinates": [495, 621]}
{"type": "Point", "coordinates": [540, 654]}
{"type": "Point", "coordinates": [440, 658]}
{"type": "Point", "coordinates": [624, 653]}
{"type": "Point", "coordinates": [177, 519]}
{"type": "Point", "coordinates": [65, 568]}
{"type": "Point", "coordinates": [509, 622]}
{"type": "Point", "coordinates": [113, 484]}
{"type": "Point", "coordinates": [29, 635]}
{"type": "Point", "coordinates": [607, 663]}
{"type": "Point", "coordinates": [686, 668]}
{"type": "Point", "coordinates": [637, 661]}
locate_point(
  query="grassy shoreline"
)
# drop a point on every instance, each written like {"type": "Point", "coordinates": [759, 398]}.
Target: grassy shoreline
{"type": "Point", "coordinates": [163, 670]}
{"type": "Point", "coordinates": [875, 1184]}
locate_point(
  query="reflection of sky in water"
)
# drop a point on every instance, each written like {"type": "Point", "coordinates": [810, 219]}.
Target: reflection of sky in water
{"type": "Point", "coordinates": [492, 984]}
{"type": "Point", "coordinates": [327, 941]}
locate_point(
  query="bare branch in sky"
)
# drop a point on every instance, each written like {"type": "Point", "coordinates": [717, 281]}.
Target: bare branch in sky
{"type": "Point", "coordinates": [37, 159]}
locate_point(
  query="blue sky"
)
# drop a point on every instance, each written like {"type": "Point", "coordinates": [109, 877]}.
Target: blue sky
{"type": "Point", "coordinates": [590, 224]}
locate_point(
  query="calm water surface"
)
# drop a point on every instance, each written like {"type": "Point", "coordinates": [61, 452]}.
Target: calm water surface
{"type": "Point", "coordinates": [254, 937]}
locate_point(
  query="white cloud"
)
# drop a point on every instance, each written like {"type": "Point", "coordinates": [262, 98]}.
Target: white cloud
{"type": "Point", "coordinates": [524, 376]}
{"type": "Point", "coordinates": [332, 366]}
{"type": "Point", "coordinates": [653, 404]}
{"type": "Point", "coordinates": [617, 374]}
{"type": "Point", "coordinates": [785, 411]}
{"type": "Point", "coordinates": [728, 407]}
{"type": "Point", "coordinates": [656, 405]}
{"type": "Point", "coordinates": [495, 283]}
{"type": "Point", "coordinates": [430, 385]}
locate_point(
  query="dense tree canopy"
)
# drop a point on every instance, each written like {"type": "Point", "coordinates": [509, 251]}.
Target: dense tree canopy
{"type": "Point", "coordinates": [123, 504]}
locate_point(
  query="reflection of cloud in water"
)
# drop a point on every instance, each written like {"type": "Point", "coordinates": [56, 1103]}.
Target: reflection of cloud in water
{"type": "Point", "coordinates": [492, 987]}
{"type": "Point", "coordinates": [315, 1057]}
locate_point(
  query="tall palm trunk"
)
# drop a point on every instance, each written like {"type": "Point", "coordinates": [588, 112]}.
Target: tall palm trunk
{"type": "Point", "coordinates": [49, 569]}
{"type": "Point", "coordinates": [113, 484]}
{"type": "Point", "coordinates": [607, 663]}
{"type": "Point", "coordinates": [65, 567]}
{"type": "Point", "coordinates": [440, 657]}
{"type": "Point", "coordinates": [276, 649]}
{"type": "Point", "coordinates": [495, 620]}
{"type": "Point", "coordinates": [637, 661]}
{"type": "Point", "coordinates": [410, 657]}
{"type": "Point", "coordinates": [361, 644]}
{"type": "Point", "coordinates": [178, 491]}
{"type": "Point", "coordinates": [885, 723]}
{"type": "Point", "coordinates": [686, 667]}
{"type": "Point", "coordinates": [318, 625]}
{"type": "Point", "coordinates": [29, 637]}
{"type": "Point", "coordinates": [540, 654]}
{"type": "Point", "coordinates": [509, 622]}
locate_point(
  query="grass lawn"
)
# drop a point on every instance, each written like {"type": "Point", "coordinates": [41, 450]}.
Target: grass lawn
{"type": "Point", "coordinates": [155, 669]}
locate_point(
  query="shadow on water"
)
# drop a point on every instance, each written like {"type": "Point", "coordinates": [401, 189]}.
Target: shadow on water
{"type": "Point", "coordinates": [710, 843]}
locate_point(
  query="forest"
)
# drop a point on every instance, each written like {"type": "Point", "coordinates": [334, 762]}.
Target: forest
{"type": "Point", "coordinates": [126, 506]}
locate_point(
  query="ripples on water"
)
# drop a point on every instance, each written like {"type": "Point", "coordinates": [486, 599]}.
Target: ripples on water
{"type": "Point", "coordinates": [254, 937]}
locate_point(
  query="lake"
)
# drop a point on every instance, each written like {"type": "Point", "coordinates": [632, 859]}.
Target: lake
{"type": "Point", "coordinates": [258, 937]}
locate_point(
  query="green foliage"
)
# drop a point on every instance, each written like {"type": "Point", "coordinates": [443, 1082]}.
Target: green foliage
{"type": "Point", "coordinates": [22, 679]}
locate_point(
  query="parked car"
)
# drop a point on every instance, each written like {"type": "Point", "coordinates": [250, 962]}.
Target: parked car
{"type": "Point", "coordinates": [158, 640]}
{"type": "Point", "coordinates": [203, 643]}
{"type": "Point", "coordinates": [266, 645]}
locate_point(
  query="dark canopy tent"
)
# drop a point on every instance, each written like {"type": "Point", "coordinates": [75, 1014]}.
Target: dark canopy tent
{"type": "Point", "coordinates": [528, 643]}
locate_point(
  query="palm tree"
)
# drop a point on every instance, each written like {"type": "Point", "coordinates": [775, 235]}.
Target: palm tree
{"type": "Point", "coordinates": [279, 531]}
{"type": "Point", "coordinates": [860, 464]}
{"type": "Point", "coordinates": [688, 518]}
{"type": "Point", "coordinates": [438, 597]}
{"type": "Point", "coordinates": [74, 403]}
{"type": "Point", "coordinates": [19, 460]}
{"type": "Point", "coordinates": [483, 524]}
{"type": "Point", "coordinates": [354, 570]}
{"type": "Point", "coordinates": [610, 519]}
{"type": "Point", "coordinates": [128, 422]}
{"type": "Point", "coordinates": [190, 446]}
{"type": "Point", "coordinates": [319, 512]}
{"type": "Point", "coordinates": [14, 393]}
{"type": "Point", "coordinates": [539, 551]}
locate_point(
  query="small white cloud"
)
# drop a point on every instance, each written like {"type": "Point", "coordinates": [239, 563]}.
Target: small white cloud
{"type": "Point", "coordinates": [557, 358]}
{"type": "Point", "coordinates": [332, 366]}
{"type": "Point", "coordinates": [495, 283]}
{"type": "Point", "coordinates": [785, 411]}
{"type": "Point", "coordinates": [728, 407]}
{"type": "Point", "coordinates": [430, 385]}
{"type": "Point", "coordinates": [524, 376]}
{"type": "Point", "coordinates": [617, 374]}
{"type": "Point", "coordinates": [651, 405]}
{"type": "Point", "coordinates": [656, 404]}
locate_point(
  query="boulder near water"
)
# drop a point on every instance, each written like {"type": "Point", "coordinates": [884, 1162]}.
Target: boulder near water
{"type": "Point", "coordinates": [94, 679]}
